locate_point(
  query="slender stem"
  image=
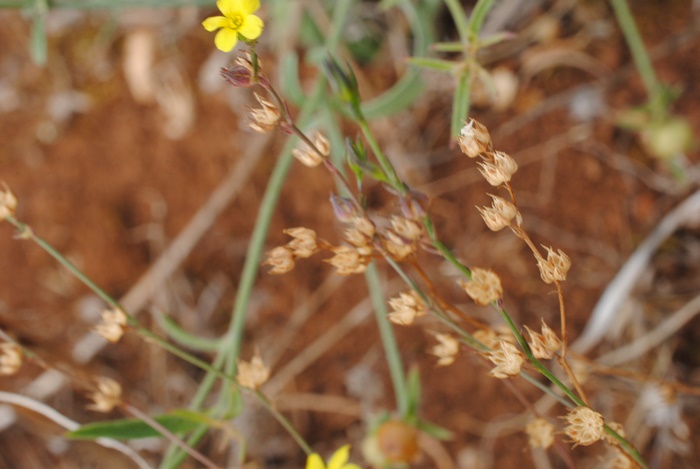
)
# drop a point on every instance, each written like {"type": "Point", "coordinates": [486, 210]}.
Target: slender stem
{"type": "Point", "coordinates": [459, 16]}
{"type": "Point", "coordinates": [627, 447]}
{"type": "Point", "coordinates": [441, 302]}
{"type": "Point", "coordinates": [462, 100]}
{"type": "Point", "coordinates": [28, 233]}
{"type": "Point", "coordinates": [562, 318]}
{"type": "Point", "coordinates": [535, 362]}
{"type": "Point", "coordinates": [476, 20]}
{"type": "Point", "coordinates": [444, 250]}
{"type": "Point", "coordinates": [25, 232]}
{"type": "Point", "coordinates": [384, 162]}
{"type": "Point", "coordinates": [149, 336]}
{"type": "Point", "coordinates": [391, 349]}
{"type": "Point", "coordinates": [639, 53]}
{"type": "Point", "coordinates": [165, 345]}
{"type": "Point", "coordinates": [284, 422]}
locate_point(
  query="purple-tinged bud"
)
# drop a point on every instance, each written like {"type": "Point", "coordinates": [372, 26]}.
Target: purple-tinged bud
{"type": "Point", "coordinates": [237, 75]}
{"type": "Point", "coordinates": [345, 211]}
{"type": "Point", "coordinates": [414, 205]}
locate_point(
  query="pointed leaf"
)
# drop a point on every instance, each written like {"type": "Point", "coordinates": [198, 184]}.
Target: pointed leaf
{"type": "Point", "coordinates": [414, 395]}
{"type": "Point", "coordinates": [432, 64]}
{"type": "Point", "coordinates": [448, 47]}
{"type": "Point", "coordinates": [434, 430]}
{"type": "Point", "coordinates": [178, 421]}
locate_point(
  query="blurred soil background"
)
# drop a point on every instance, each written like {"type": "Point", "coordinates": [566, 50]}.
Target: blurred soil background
{"type": "Point", "coordinates": [117, 143]}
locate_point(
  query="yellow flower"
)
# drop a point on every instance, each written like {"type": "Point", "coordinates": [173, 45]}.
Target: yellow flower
{"type": "Point", "coordinates": [339, 460]}
{"type": "Point", "coordinates": [238, 20]}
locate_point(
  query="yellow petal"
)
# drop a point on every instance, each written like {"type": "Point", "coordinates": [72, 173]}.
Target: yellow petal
{"type": "Point", "coordinates": [339, 458]}
{"type": "Point", "coordinates": [228, 7]}
{"type": "Point", "coordinates": [251, 28]}
{"type": "Point", "coordinates": [226, 39]}
{"type": "Point", "coordinates": [215, 22]}
{"type": "Point", "coordinates": [249, 6]}
{"type": "Point", "coordinates": [315, 462]}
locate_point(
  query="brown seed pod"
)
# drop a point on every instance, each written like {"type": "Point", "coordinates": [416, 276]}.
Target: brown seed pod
{"type": "Point", "coordinates": [398, 441]}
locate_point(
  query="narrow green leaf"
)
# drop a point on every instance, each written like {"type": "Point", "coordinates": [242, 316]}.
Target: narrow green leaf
{"type": "Point", "coordinates": [408, 89]}
{"type": "Point", "coordinates": [478, 16]}
{"type": "Point", "coordinates": [414, 395]}
{"type": "Point", "coordinates": [496, 38]}
{"type": "Point", "coordinates": [38, 42]}
{"type": "Point", "coordinates": [460, 103]}
{"type": "Point", "coordinates": [432, 64]}
{"type": "Point", "coordinates": [178, 421]}
{"type": "Point", "coordinates": [433, 430]}
{"type": "Point", "coordinates": [291, 86]}
{"type": "Point", "coordinates": [179, 335]}
{"type": "Point", "coordinates": [447, 47]}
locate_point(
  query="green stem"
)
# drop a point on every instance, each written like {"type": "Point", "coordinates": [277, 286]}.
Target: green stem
{"type": "Point", "coordinates": [147, 334]}
{"type": "Point", "coordinates": [469, 36]}
{"type": "Point", "coordinates": [627, 447]}
{"type": "Point", "coordinates": [181, 336]}
{"type": "Point", "coordinates": [459, 16]}
{"type": "Point", "coordinates": [391, 349]}
{"type": "Point", "coordinates": [476, 20]}
{"type": "Point", "coordinates": [639, 54]}
{"type": "Point", "coordinates": [462, 100]}
{"type": "Point", "coordinates": [535, 362]}
{"type": "Point", "coordinates": [444, 250]}
{"type": "Point", "coordinates": [384, 162]}
{"type": "Point", "coordinates": [284, 422]}
{"type": "Point", "coordinates": [26, 233]}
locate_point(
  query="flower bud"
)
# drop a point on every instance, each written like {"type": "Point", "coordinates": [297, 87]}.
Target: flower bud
{"type": "Point", "coordinates": [500, 214]}
{"type": "Point", "coordinates": [348, 260]}
{"type": "Point", "coordinates": [414, 205]}
{"type": "Point", "coordinates": [585, 426]}
{"type": "Point", "coordinates": [107, 396]}
{"type": "Point", "coordinates": [321, 143]}
{"type": "Point", "coordinates": [10, 359]}
{"type": "Point", "coordinates": [237, 76]}
{"type": "Point", "coordinates": [483, 287]}
{"type": "Point", "coordinates": [281, 259]}
{"type": "Point", "coordinates": [252, 374]}
{"type": "Point", "coordinates": [406, 308]}
{"type": "Point", "coordinates": [344, 84]}
{"type": "Point", "coordinates": [541, 433]}
{"type": "Point", "coordinates": [508, 360]}
{"type": "Point", "coordinates": [304, 242]}
{"type": "Point", "coordinates": [446, 350]}
{"type": "Point", "coordinates": [8, 202]}
{"type": "Point", "coordinates": [474, 139]}
{"type": "Point", "coordinates": [499, 169]}
{"type": "Point", "coordinates": [555, 267]}
{"type": "Point", "coordinates": [343, 208]}
{"type": "Point", "coordinates": [265, 118]}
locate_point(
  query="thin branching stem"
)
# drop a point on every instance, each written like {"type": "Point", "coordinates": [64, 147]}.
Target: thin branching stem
{"type": "Point", "coordinates": [282, 421]}
{"type": "Point", "coordinates": [27, 233]}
